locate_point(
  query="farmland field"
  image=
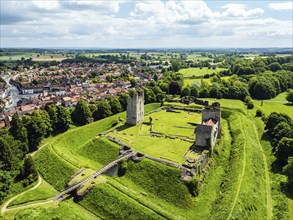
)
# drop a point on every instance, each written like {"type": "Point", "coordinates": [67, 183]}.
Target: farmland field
{"type": "Point", "coordinates": [197, 72]}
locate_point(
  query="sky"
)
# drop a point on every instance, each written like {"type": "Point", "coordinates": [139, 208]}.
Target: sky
{"type": "Point", "coordinates": [146, 24]}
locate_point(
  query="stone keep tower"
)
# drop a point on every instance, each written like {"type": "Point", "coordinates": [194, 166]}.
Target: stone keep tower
{"type": "Point", "coordinates": [135, 109]}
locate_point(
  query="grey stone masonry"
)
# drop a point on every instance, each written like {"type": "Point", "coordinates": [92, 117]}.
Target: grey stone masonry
{"type": "Point", "coordinates": [135, 109]}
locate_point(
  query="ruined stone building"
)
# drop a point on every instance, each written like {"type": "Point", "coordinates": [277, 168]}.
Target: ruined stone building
{"type": "Point", "coordinates": [210, 128]}
{"type": "Point", "coordinates": [135, 109]}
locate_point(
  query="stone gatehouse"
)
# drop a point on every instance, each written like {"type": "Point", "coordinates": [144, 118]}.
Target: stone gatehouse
{"type": "Point", "coordinates": [210, 128]}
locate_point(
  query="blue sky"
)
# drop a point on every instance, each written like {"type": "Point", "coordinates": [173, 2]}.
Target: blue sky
{"type": "Point", "coordinates": [146, 24]}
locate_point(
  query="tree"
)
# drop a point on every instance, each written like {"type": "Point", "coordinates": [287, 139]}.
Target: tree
{"type": "Point", "coordinates": [289, 96]}
{"type": "Point", "coordinates": [275, 66]}
{"type": "Point", "coordinates": [284, 150]}
{"type": "Point", "coordinates": [185, 92]}
{"type": "Point", "coordinates": [261, 88]}
{"type": "Point", "coordinates": [283, 129]}
{"type": "Point", "coordinates": [204, 93]}
{"type": "Point", "coordinates": [288, 170]}
{"type": "Point", "coordinates": [250, 105]}
{"type": "Point", "coordinates": [103, 110]}
{"type": "Point", "coordinates": [6, 180]}
{"type": "Point", "coordinates": [81, 113]}
{"type": "Point", "coordinates": [53, 114]}
{"type": "Point", "coordinates": [29, 170]}
{"type": "Point", "coordinates": [194, 91]}
{"type": "Point", "coordinates": [64, 119]}
{"type": "Point", "coordinates": [38, 126]}
{"type": "Point", "coordinates": [6, 156]}
{"type": "Point", "coordinates": [174, 88]}
{"type": "Point", "coordinates": [274, 119]}
{"type": "Point", "coordinates": [115, 105]}
{"type": "Point", "coordinates": [149, 96]}
{"type": "Point", "coordinates": [176, 65]}
{"type": "Point", "coordinates": [133, 82]}
{"type": "Point", "coordinates": [123, 100]}
{"type": "Point", "coordinates": [259, 113]}
{"type": "Point", "coordinates": [19, 132]}
{"type": "Point", "coordinates": [215, 92]}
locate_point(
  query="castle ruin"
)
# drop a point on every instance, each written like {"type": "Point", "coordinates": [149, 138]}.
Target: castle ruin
{"type": "Point", "coordinates": [210, 128]}
{"type": "Point", "coordinates": [135, 109]}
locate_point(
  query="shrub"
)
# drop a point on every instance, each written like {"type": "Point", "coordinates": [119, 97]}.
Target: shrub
{"type": "Point", "coordinates": [193, 186]}
{"type": "Point", "coordinates": [247, 99]}
{"type": "Point", "coordinates": [122, 167]}
{"type": "Point", "coordinates": [259, 113]}
{"type": "Point", "coordinates": [250, 105]}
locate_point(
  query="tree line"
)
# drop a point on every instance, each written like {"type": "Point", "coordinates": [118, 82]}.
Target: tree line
{"type": "Point", "coordinates": [279, 128]}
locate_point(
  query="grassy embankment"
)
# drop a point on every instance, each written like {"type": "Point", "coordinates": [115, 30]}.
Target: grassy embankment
{"type": "Point", "coordinates": [235, 186]}
{"type": "Point", "coordinates": [64, 210]}
{"type": "Point", "coordinates": [57, 168]}
{"type": "Point", "coordinates": [43, 192]}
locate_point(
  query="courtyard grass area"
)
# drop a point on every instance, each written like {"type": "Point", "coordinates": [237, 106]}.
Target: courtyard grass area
{"type": "Point", "coordinates": [196, 72]}
{"type": "Point", "coordinates": [168, 123]}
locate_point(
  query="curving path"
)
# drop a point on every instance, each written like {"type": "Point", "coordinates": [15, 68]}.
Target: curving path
{"type": "Point", "coordinates": [242, 172]}
{"type": "Point", "coordinates": [4, 207]}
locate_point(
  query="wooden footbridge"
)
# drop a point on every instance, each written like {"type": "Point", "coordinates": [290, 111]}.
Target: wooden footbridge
{"type": "Point", "coordinates": [96, 174]}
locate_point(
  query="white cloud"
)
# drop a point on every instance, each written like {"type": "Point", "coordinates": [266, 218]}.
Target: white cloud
{"type": "Point", "coordinates": [239, 10]}
{"type": "Point", "coordinates": [280, 6]}
{"type": "Point", "coordinates": [146, 24]}
{"type": "Point", "coordinates": [46, 4]}
{"type": "Point", "coordinates": [192, 12]}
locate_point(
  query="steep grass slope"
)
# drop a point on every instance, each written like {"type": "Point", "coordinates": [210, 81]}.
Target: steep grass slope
{"type": "Point", "coordinates": [53, 169]}
{"type": "Point", "coordinates": [108, 203]}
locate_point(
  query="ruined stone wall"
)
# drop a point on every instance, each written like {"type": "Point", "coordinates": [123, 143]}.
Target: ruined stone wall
{"type": "Point", "coordinates": [203, 133]}
{"type": "Point", "coordinates": [135, 109]}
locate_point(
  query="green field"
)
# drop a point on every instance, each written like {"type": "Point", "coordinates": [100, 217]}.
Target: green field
{"type": "Point", "coordinates": [34, 56]}
{"type": "Point", "coordinates": [277, 104]}
{"type": "Point", "coordinates": [197, 72]}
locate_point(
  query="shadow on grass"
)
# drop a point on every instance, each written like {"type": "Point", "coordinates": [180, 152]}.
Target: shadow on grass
{"type": "Point", "coordinates": [287, 190]}
{"type": "Point", "coordinates": [288, 104]}
{"type": "Point", "coordinates": [123, 127]}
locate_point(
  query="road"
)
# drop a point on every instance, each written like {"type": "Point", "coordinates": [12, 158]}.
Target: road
{"type": "Point", "coordinates": [14, 93]}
